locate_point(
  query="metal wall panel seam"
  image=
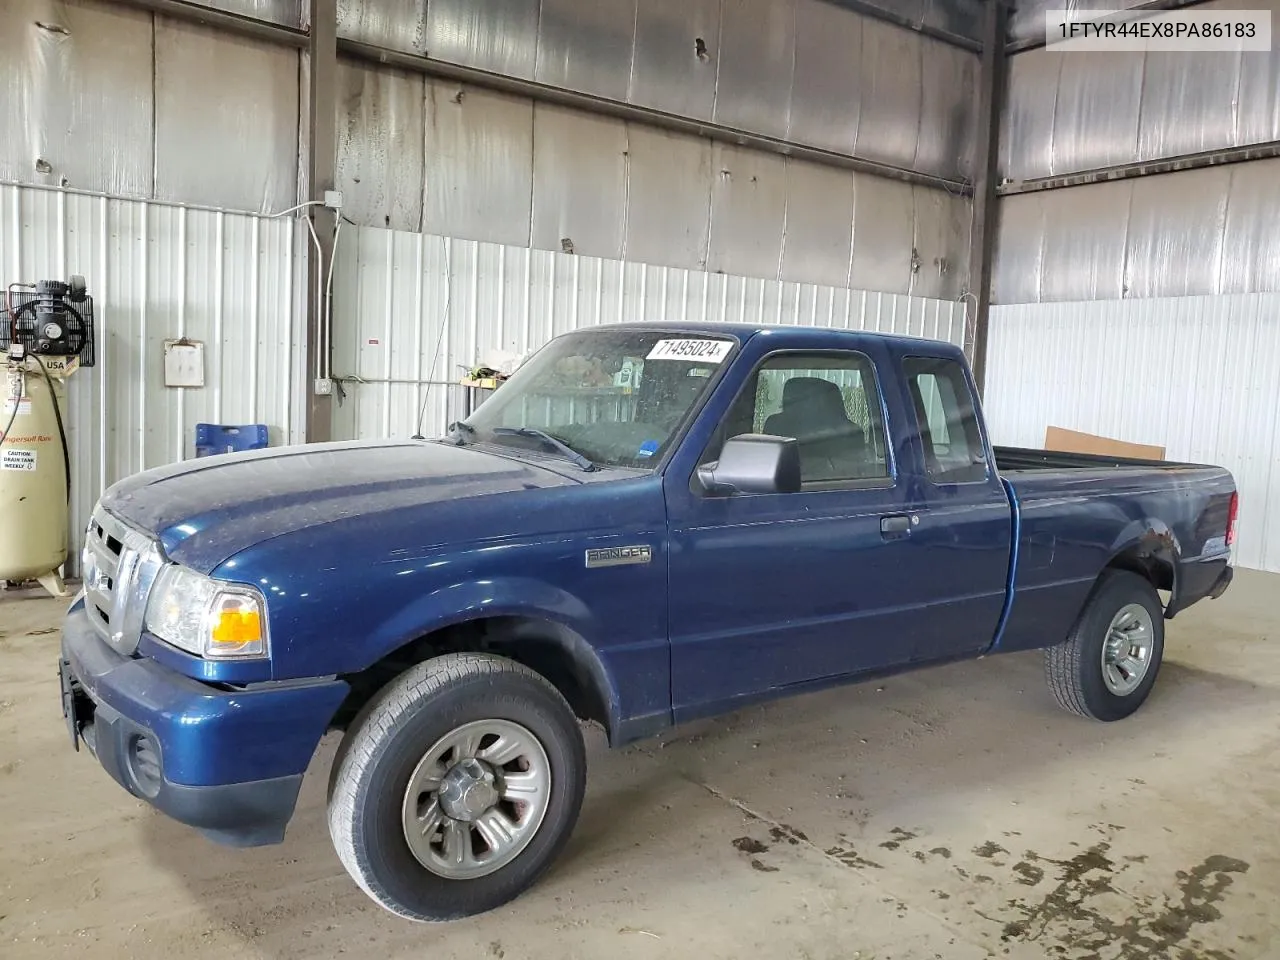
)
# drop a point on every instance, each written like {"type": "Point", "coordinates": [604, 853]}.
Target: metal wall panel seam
{"type": "Point", "coordinates": [220, 276]}
{"type": "Point", "coordinates": [715, 97]}
{"type": "Point", "coordinates": [1220, 268]}
{"type": "Point", "coordinates": [626, 179]}
{"type": "Point", "coordinates": [102, 360]}
{"type": "Point", "coordinates": [285, 380]}
{"type": "Point", "coordinates": [418, 324]}
{"type": "Point", "coordinates": [447, 319]}
{"type": "Point", "coordinates": [144, 261]}
{"type": "Point", "coordinates": [254, 345]}
{"type": "Point", "coordinates": [180, 442]}
{"type": "Point", "coordinates": [388, 320]}
{"type": "Point", "coordinates": [525, 300]}
{"type": "Point", "coordinates": [786, 199]}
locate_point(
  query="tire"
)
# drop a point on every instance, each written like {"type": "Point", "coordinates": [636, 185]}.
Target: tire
{"type": "Point", "coordinates": [391, 743]}
{"type": "Point", "coordinates": [1076, 669]}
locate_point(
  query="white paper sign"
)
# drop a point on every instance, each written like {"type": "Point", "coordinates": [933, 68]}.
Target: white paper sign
{"type": "Point", "coordinates": [17, 459]}
{"type": "Point", "coordinates": [698, 351]}
{"type": "Point", "coordinates": [24, 407]}
{"type": "Point", "coordinates": [183, 363]}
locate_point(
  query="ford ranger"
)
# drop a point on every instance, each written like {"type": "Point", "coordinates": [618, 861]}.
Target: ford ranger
{"type": "Point", "coordinates": [645, 524]}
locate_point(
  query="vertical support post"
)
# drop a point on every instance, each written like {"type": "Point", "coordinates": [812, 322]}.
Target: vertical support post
{"type": "Point", "coordinates": [320, 160]}
{"type": "Point", "coordinates": [991, 87]}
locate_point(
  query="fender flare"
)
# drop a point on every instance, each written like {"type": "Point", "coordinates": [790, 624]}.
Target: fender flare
{"type": "Point", "coordinates": [1148, 538]}
{"type": "Point", "coordinates": [569, 619]}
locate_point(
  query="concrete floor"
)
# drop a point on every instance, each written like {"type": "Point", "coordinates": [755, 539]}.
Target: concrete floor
{"type": "Point", "coordinates": [954, 813]}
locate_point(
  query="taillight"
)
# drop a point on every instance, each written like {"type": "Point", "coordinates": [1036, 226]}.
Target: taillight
{"type": "Point", "coordinates": [1232, 510]}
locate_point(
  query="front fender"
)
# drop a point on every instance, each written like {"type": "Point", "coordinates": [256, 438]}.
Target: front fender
{"type": "Point", "coordinates": [458, 603]}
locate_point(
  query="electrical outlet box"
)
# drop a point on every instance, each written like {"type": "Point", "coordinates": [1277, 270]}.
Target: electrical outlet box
{"type": "Point", "coordinates": [333, 199]}
{"type": "Point", "coordinates": [323, 387]}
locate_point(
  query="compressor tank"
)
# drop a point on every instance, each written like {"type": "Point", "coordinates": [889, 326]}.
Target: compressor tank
{"type": "Point", "coordinates": [34, 514]}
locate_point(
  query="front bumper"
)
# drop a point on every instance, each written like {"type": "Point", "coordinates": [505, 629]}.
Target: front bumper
{"type": "Point", "coordinates": [226, 761]}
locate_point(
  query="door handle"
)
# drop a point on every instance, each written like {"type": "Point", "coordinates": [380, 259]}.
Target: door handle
{"type": "Point", "coordinates": [897, 525]}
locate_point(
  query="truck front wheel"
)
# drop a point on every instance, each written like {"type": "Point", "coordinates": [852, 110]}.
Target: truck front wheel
{"type": "Point", "coordinates": [1106, 667]}
{"type": "Point", "coordinates": [456, 787]}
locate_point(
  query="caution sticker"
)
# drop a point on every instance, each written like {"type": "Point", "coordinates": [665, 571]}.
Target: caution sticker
{"type": "Point", "coordinates": [704, 351]}
{"type": "Point", "coordinates": [17, 459]}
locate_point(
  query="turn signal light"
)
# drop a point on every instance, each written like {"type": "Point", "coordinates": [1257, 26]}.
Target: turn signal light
{"type": "Point", "coordinates": [235, 626]}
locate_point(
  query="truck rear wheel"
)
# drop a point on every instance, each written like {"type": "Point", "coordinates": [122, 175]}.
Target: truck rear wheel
{"type": "Point", "coordinates": [456, 787]}
{"type": "Point", "coordinates": [1106, 667]}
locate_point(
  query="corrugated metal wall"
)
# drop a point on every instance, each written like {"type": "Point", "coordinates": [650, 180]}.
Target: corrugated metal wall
{"type": "Point", "coordinates": [412, 312]}
{"type": "Point", "coordinates": [159, 272]}
{"type": "Point", "coordinates": [422, 154]}
{"type": "Point", "coordinates": [124, 102]}
{"type": "Point", "coordinates": [1209, 231]}
{"type": "Point", "coordinates": [1197, 375]}
{"type": "Point", "coordinates": [1078, 111]}
{"type": "Point", "coordinates": [807, 71]}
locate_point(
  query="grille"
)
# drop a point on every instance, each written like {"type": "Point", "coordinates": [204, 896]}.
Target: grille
{"type": "Point", "coordinates": [120, 566]}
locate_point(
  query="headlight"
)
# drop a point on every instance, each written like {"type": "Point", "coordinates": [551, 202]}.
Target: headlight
{"type": "Point", "coordinates": [212, 619]}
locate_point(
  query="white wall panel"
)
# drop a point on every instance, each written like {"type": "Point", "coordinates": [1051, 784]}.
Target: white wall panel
{"type": "Point", "coordinates": [1199, 376]}
{"type": "Point", "coordinates": [413, 312]}
{"type": "Point", "coordinates": [159, 272]}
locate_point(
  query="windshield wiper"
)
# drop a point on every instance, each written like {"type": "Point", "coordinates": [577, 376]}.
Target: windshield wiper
{"type": "Point", "coordinates": [567, 451]}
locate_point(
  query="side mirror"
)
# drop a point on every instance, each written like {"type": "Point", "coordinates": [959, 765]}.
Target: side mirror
{"type": "Point", "coordinates": [753, 463]}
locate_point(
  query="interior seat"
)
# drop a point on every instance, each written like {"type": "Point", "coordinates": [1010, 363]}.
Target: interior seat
{"type": "Point", "coordinates": [832, 447]}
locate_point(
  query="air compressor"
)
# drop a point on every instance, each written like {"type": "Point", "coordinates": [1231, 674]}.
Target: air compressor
{"type": "Point", "coordinates": [46, 334]}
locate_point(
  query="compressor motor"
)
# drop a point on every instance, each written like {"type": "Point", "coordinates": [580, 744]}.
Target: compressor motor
{"type": "Point", "coordinates": [46, 334]}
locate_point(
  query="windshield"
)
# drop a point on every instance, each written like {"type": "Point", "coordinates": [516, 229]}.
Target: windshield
{"type": "Point", "coordinates": [617, 398]}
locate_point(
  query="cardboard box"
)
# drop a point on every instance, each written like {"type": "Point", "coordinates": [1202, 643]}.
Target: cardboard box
{"type": "Point", "coordinates": [1072, 441]}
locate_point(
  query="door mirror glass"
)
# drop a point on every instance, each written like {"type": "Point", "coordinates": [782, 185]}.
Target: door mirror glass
{"type": "Point", "coordinates": [753, 463]}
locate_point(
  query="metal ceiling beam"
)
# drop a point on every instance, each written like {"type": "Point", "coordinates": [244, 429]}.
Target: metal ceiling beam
{"type": "Point", "coordinates": [874, 12]}
{"type": "Point", "coordinates": [223, 21]}
{"type": "Point", "coordinates": [590, 103]}
{"type": "Point", "coordinates": [1128, 171]}
{"type": "Point", "coordinates": [992, 83]}
{"type": "Point", "coordinates": [1149, 6]}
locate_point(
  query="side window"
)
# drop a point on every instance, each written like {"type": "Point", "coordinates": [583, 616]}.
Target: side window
{"type": "Point", "coordinates": [827, 402]}
{"type": "Point", "coordinates": [948, 424]}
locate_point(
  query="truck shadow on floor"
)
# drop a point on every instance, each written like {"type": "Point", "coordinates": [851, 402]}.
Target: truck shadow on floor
{"type": "Point", "coordinates": [883, 734]}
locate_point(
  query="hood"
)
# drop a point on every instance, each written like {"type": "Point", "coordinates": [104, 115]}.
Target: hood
{"type": "Point", "coordinates": [205, 511]}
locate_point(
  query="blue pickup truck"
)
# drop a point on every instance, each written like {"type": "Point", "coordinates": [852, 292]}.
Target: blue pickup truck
{"type": "Point", "coordinates": [646, 524]}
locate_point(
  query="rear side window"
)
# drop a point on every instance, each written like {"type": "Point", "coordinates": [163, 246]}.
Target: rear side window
{"type": "Point", "coordinates": [949, 433]}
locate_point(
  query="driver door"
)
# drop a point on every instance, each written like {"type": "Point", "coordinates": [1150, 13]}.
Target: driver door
{"type": "Point", "coordinates": [771, 590]}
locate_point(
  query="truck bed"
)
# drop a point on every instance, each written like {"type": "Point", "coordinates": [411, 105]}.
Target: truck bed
{"type": "Point", "coordinates": [1076, 511]}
